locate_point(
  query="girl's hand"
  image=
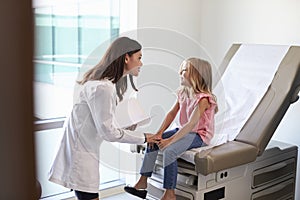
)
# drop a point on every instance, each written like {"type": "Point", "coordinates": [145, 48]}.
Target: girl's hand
{"type": "Point", "coordinates": [162, 144]}
{"type": "Point", "coordinates": [159, 135]}
{"type": "Point", "coordinates": [152, 140]}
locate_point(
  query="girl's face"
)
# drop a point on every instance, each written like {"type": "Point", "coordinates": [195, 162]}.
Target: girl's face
{"type": "Point", "coordinates": [184, 75]}
{"type": "Point", "coordinates": [133, 64]}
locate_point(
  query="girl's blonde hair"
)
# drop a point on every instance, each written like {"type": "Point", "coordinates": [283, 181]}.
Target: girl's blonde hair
{"type": "Point", "coordinates": [200, 77]}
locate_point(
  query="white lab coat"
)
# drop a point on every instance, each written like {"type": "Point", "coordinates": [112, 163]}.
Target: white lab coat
{"type": "Point", "coordinates": [92, 120]}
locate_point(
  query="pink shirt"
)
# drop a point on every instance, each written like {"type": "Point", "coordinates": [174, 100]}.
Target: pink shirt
{"type": "Point", "coordinates": [205, 126]}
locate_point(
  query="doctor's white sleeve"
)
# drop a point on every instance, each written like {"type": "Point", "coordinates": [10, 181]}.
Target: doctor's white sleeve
{"type": "Point", "coordinates": [102, 105]}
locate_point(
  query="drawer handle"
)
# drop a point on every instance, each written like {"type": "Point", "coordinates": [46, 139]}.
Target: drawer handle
{"type": "Point", "coordinates": [274, 167]}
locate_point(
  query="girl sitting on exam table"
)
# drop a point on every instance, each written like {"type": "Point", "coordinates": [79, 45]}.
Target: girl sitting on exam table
{"type": "Point", "coordinates": [197, 106]}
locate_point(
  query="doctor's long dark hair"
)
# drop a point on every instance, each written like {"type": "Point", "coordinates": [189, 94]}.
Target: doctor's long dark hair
{"type": "Point", "coordinates": [111, 66]}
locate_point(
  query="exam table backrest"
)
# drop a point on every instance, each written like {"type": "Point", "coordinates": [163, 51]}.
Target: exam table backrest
{"type": "Point", "coordinates": [283, 91]}
{"type": "Point", "coordinates": [259, 128]}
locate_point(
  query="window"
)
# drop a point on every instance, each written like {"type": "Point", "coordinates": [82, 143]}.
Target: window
{"type": "Point", "coordinates": [66, 33]}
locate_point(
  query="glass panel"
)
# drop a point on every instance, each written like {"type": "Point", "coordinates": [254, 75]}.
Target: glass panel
{"type": "Point", "coordinates": [65, 35]}
{"type": "Point", "coordinates": [44, 156]}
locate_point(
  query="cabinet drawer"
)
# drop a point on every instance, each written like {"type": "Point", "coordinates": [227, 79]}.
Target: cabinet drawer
{"type": "Point", "coordinates": [273, 172]}
{"type": "Point", "coordinates": [281, 191]}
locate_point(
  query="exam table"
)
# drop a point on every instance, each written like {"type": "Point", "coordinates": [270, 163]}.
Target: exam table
{"type": "Point", "coordinates": [248, 164]}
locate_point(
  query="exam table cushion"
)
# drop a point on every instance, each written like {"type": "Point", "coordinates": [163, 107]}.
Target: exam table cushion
{"type": "Point", "coordinates": [225, 156]}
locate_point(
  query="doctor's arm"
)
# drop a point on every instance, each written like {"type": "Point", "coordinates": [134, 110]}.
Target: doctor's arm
{"type": "Point", "coordinates": [102, 106]}
{"type": "Point", "coordinates": [188, 127]}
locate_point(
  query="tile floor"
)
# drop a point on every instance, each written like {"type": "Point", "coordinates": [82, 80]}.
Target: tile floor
{"type": "Point", "coordinates": [118, 191]}
{"type": "Point", "coordinates": [123, 196]}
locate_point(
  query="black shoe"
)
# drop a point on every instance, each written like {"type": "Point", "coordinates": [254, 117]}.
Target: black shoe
{"type": "Point", "coordinates": [139, 193]}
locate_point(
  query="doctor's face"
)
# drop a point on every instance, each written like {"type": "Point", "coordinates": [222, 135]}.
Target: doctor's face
{"type": "Point", "coordinates": [133, 63]}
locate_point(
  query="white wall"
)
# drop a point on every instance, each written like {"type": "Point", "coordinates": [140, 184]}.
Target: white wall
{"type": "Point", "coordinates": [217, 24]}
{"type": "Point", "coordinates": [178, 15]}
{"type": "Point", "coordinates": [257, 21]}
{"type": "Point", "coordinates": [168, 38]}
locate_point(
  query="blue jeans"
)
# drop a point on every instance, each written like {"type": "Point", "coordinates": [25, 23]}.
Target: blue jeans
{"type": "Point", "coordinates": [170, 155]}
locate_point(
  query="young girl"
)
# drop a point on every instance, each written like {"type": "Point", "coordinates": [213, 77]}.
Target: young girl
{"type": "Point", "coordinates": [196, 106]}
{"type": "Point", "coordinates": [76, 165]}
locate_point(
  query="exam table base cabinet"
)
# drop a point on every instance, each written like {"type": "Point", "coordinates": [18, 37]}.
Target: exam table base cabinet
{"type": "Point", "coordinates": [272, 176]}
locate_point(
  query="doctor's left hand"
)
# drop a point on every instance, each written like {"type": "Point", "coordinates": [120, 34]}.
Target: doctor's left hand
{"type": "Point", "coordinates": [151, 138]}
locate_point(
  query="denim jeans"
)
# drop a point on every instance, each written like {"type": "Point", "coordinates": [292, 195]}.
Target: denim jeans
{"type": "Point", "coordinates": [170, 155]}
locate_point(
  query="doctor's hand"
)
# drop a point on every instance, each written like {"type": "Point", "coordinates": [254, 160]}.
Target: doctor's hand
{"type": "Point", "coordinates": [158, 137]}
{"type": "Point", "coordinates": [151, 139]}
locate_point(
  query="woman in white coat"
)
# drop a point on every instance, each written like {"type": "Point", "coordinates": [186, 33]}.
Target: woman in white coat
{"type": "Point", "coordinates": [92, 120]}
